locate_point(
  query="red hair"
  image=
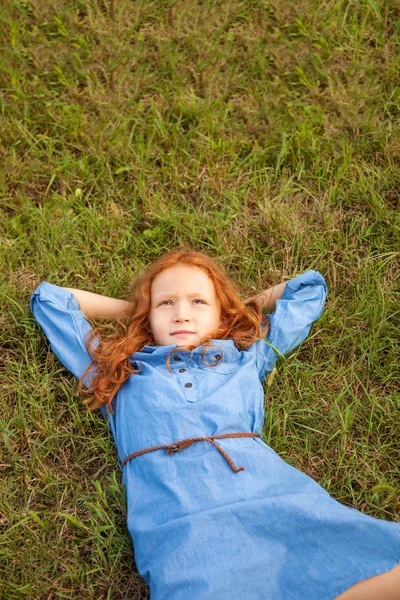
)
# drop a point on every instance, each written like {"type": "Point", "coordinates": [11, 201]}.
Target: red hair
{"type": "Point", "coordinates": [110, 366]}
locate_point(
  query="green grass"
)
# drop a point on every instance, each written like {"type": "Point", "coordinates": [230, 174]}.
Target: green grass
{"type": "Point", "coordinates": [265, 133]}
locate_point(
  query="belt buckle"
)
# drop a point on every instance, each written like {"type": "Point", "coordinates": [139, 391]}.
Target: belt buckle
{"type": "Point", "coordinates": [173, 448]}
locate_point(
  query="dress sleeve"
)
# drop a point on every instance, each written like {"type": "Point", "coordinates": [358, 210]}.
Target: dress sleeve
{"type": "Point", "coordinates": [65, 326]}
{"type": "Point", "coordinates": [58, 314]}
{"type": "Point", "coordinates": [301, 305]}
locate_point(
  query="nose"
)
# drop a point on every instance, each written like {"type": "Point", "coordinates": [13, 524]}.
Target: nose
{"type": "Point", "coordinates": [181, 313]}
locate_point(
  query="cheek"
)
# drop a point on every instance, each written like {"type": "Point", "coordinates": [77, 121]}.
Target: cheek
{"type": "Point", "coordinates": [152, 321]}
{"type": "Point", "coordinates": [156, 321]}
{"type": "Point", "coordinates": [218, 318]}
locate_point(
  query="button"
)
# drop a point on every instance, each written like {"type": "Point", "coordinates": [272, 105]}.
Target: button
{"type": "Point", "coordinates": [177, 357]}
{"type": "Point", "coordinates": [188, 384]}
{"type": "Point", "coordinates": [218, 356]}
{"type": "Point", "coordinates": [182, 370]}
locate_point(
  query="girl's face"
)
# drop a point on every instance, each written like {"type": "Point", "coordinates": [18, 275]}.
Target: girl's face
{"type": "Point", "coordinates": [184, 306]}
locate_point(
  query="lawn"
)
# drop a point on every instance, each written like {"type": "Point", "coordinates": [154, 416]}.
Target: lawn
{"type": "Point", "coordinates": [265, 133]}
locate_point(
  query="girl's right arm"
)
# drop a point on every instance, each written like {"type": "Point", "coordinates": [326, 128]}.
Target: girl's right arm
{"type": "Point", "coordinates": [95, 306]}
{"type": "Point", "coordinates": [58, 312]}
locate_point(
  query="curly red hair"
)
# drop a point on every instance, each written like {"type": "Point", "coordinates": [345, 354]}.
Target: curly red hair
{"type": "Point", "coordinates": [111, 367]}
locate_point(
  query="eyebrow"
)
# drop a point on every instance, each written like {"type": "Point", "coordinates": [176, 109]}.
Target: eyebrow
{"type": "Point", "coordinates": [189, 295]}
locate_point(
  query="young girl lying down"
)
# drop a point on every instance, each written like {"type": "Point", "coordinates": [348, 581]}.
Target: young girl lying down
{"type": "Point", "coordinates": [213, 511]}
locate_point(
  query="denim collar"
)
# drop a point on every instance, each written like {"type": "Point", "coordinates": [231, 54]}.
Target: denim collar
{"type": "Point", "coordinates": [227, 346]}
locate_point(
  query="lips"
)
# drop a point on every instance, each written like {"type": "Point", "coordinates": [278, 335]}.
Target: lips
{"type": "Point", "coordinates": [181, 331]}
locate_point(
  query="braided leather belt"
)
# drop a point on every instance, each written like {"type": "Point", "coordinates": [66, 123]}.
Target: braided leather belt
{"type": "Point", "coordinates": [178, 446]}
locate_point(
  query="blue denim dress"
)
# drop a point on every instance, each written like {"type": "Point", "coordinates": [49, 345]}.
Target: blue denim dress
{"type": "Point", "coordinates": [200, 530]}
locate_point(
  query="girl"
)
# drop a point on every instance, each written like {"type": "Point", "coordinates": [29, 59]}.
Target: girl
{"type": "Point", "coordinates": [212, 510]}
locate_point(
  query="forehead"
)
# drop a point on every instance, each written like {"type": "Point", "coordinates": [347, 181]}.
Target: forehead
{"type": "Point", "coordinates": [182, 280]}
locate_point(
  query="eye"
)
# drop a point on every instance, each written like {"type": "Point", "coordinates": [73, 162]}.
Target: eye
{"type": "Point", "coordinates": [195, 300]}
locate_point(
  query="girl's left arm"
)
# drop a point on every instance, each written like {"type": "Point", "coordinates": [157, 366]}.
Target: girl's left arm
{"type": "Point", "coordinates": [300, 303]}
{"type": "Point", "coordinates": [266, 300]}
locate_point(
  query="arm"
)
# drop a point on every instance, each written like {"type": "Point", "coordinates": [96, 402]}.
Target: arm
{"type": "Point", "coordinates": [95, 306]}
{"type": "Point", "coordinates": [267, 299]}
